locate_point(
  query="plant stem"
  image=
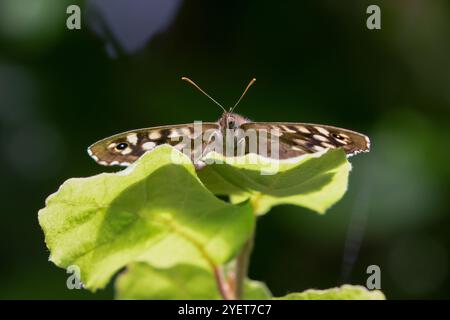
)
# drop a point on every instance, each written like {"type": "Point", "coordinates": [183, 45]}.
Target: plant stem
{"type": "Point", "coordinates": [242, 263]}
{"type": "Point", "coordinates": [223, 285]}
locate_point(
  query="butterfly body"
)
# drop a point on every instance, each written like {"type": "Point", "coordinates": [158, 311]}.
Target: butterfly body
{"type": "Point", "coordinates": [294, 139]}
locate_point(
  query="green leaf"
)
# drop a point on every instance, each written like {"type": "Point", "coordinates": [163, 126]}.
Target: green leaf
{"type": "Point", "coordinates": [142, 281]}
{"type": "Point", "coordinates": [155, 211]}
{"type": "Point", "coordinates": [256, 290]}
{"type": "Point", "coordinates": [315, 181]}
{"type": "Point", "coordinates": [345, 292]}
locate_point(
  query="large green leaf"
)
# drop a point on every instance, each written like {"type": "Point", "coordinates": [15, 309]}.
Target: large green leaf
{"type": "Point", "coordinates": [315, 181]}
{"type": "Point", "coordinates": [142, 281]}
{"type": "Point", "coordinates": [155, 211]}
{"type": "Point", "coordinates": [345, 292]}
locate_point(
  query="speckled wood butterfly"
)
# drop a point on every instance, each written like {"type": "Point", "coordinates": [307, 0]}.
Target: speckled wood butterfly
{"type": "Point", "coordinates": [295, 139]}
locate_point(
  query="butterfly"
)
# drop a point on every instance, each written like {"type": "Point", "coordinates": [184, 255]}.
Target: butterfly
{"type": "Point", "coordinates": [294, 139]}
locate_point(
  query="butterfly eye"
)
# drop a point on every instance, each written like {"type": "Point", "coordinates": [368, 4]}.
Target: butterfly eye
{"type": "Point", "coordinates": [231, 124]}
{"type": "Point", "coordinates": [121, 146]}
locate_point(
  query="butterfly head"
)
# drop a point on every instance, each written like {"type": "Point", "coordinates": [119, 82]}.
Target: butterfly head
{"type": "Point", "coordinates": [230, 120]}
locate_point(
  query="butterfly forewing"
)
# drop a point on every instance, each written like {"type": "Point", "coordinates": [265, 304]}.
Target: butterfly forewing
{"type": "Point", "coordinates": [296, 139]}
{"type": "Point", "coordinates": [125, 148]}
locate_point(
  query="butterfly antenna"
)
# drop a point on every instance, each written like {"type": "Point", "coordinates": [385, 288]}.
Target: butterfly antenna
{"type": "Point", "coordinates": [200, 89]}
{"type": "Point", "coordinates": [243, 94]}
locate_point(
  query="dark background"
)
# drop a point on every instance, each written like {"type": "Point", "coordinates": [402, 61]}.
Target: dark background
{"type": "Point", "coordinates": [315, 61]}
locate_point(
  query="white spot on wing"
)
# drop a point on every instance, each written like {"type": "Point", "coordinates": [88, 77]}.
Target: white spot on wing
{"type": "Point", "coordinates": [154, 135]}
{"type": "Point", "coordinates": [185, 131]}
{"type": "Point", "coordinates": [300, 141]}
{"type": "Point", "coordinates": [148, 145]}
{"type": "Point", "coordinates": [126, 151]}
{"type": "Point", "coordinates": [320, 138]}
{"type": "Point", "coordinates": [323, 131]}
{"type": "Point", "coordinates": [180, 132]}
{"type": "Point", "coordinates": [132, 138]}
{"type": "Point", "coordinates": [303, 129]}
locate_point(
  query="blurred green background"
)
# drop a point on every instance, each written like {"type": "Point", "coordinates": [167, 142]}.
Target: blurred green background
{"type": "Point", "coordinates": [315, 61]}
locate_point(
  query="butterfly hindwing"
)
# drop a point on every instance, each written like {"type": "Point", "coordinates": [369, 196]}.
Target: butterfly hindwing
{"type": "Point", "coordinates": [125, 148]}
{"type": "Point", "coordinates": [296, 139]}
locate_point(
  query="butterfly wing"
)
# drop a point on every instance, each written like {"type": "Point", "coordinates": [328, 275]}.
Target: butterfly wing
{"type": "Point", "coordinates": [296, 139]}
{"type": "Point", "coordinates": [125, 148]}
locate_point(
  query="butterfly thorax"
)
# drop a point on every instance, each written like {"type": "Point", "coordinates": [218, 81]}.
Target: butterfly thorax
{"type": "Point", "coordinates": [232, 121]}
